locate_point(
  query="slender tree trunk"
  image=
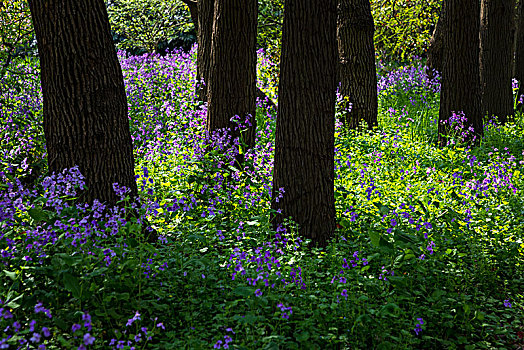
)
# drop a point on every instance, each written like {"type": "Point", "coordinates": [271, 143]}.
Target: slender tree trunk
{"type": "Point", "coordinates": [205, 29]}
{"type": "Point", "coordinates": [85, 107]}
{"type": "Point", "coordinates": [496, 44]}
{"type": "Point", "coordinates": [193, 8]}
{"type": "Point", "coordinates": [232, 76]}
{"type": "Point", "coordinates": [460, 90]}
{"type": "Point", "coordinates": [519, 54]}
{"type": "Point", "coordinates": [304, 149]}
{"type": "Point", "coordinates": [436, 44]}
{"type": "Point", "coordinates": [357, 70]}
{"type": "Point", "coordinates": [193, 12]}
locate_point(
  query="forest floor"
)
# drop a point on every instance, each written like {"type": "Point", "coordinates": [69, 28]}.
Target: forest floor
{"type": "Point", "coordinates": [428, 253]}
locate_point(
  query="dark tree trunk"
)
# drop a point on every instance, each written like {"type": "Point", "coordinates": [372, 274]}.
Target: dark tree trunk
{"type": "Point", "coordinates": [436, 44]}
{"type": "Point", "coordinates": [205, 29]}
{"type": "Point", "coordinates": [193, 12]}
{"type": "Point", "coordinates": [460, 90]}
{"type": "Point", "coordinates": [195, 18]}
{"type": "Point", "coordinates": [519, 53]}
{"type": "Point", "coordinates": [232, 76]}
{"type": "Point", "coordinates": [496, 51]}
{"type": "Point", "coordinates": [357, 71]}
{"type": "Point", "coordinates": [85, 107]}
{"type": "Point", "coordinates": [304, 146]}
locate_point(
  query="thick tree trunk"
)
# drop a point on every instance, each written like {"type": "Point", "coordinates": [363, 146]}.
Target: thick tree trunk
{"type": "Point", "coordinates": [436, 44]}
{"type": "Point", "coordinates": [460, 90]}
{"type": "Point", "coordinates": [519, 53]}
{"type": "Point", "coordinates": [357, 71]}
{"type": "Point", "coordinates": [232, 76]}
{"type": "Point", "coordinates": [205, 29]}
{"type": "Point", "coordinates": [85, 107]}
{"type": "Point", "coordinates": [304, 149]}
{"type": "Point", "coordinates": [496, 51]}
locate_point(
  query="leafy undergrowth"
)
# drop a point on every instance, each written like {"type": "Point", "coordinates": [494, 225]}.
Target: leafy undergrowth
{"type": "Point", "coordinates": [428, 253]}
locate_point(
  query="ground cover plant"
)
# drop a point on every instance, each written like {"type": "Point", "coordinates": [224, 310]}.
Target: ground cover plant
{"type": "Point", "coordinates": [429, 249]}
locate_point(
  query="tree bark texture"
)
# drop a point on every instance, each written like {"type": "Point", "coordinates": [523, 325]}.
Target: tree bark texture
{"type": "Point", "coordinates": [436, 44]}
{"type": "Point", "coordinates": [519, 52]}
{"type": "Point", "coordinates": [205, 29]}
{"type": "Point", "coordinates": [460, 90]}
{"type": "Point", "coordinates": [357, 70]}
{"type": "Point", "coordinates": [85, 106]}
{"type": "Point", "coordinates": [193, 12]}
{"type": "Point", "coordinates": [496, 51]}
{"type": "Point", "coordinates": [232, 76]}
{"type": "Point", "coordinates": [304, 146]}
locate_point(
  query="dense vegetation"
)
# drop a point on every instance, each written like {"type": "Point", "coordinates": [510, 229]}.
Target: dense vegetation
{"type": "Point", "coordinates": [428, 253]}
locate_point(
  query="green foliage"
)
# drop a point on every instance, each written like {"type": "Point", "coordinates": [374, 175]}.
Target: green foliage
{"type": "Point", "coordinates": [144, 25]}
{"type": "Point", "coordinates": [270, 16]}
{"type": "Point", "coordinates": [403, 28]}
{"type": "Point", "coordinates": [16, 32]}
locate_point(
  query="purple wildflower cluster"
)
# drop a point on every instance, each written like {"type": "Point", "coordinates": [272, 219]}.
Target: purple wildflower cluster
{"type": "Point", "coordinates": [225, 343]}
{"type": "Point", "coordinates": [346, 266]}
{"type": "Point", "coordinates": [458, 128]}
{"type": "Point", "coordinates": [286, 310]}
{"type": "Point", "coordinates": [36, 333]}
{"type": "Point", "coordinates": [418, 326]}
{"type": "Point", "coordinates": [409, 78]}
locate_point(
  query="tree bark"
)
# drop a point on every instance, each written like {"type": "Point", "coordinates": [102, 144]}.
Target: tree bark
{"type": "Point", "coordinates": [496, 51]}
{"type": "Point", "coordinates": [357, 70]}
{"type": "Point", "coordinates": [195, 18]}
{"type": "Point", "coordinates": [193, 11]}
{"type": "Point", "coordinates": [205, 29]}
{"type": "Point", "coordinates": [436, 44]}
{"type": "Point", "coordinates": [232, 76]}
{"type": "Point", "coordinates": [85, 107]}
{"type": "Point", "coordinates": [460, 91]}
{"type": "Point", "coordinates": [519, 53]}
{"type": "Point", "coordinates": [304, 146]}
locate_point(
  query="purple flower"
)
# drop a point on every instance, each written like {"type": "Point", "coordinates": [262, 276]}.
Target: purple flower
{"type": "Point", "coordinates": [133, 319]}
{"type": "Point", "coordinates": [507, 303]}
{"type": "Point", "coordinates": [258, 293]}
{"type": "Point", "coordinates": [88, 339]}
{"type": "Point", "coordinates": [418, 326]}
{"type": "Point", "coordinates": [35, 338]}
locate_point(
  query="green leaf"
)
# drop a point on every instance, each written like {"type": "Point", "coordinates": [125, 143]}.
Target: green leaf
{"type": "Point", "coordinates": [10, 274]}
{"type": "Point", "coordinates": [378, 241]}
{"type": "Point", "coordinates": [13, 303]}
{"type": "Point", "coordinates": [71, 284]}
{"type": "Point", "coordinates": [479, 315]}
{"type": "Point", "coordinates": [302, 336]}
{"type": "Point", "coordinates": [243, 291]}
{"type": "Point", "coordinates": [38, 214]}
{"type": "Point", "coordinates": [133, 243]}
{"type": "Point", "coordinates": [375, 237]}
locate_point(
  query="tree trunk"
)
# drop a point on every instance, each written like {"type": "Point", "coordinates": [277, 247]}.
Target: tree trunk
{"type": "Point", "coordinates": [85, 107]}
{"type": "Point", "coordinates": [232, 76]}
{"type": "Point", "coordinates": [304, 146]}
{"type": "Point", "coordinates": [357, 71]}
{"type": "Point", "coordinates": [519, 54]}
{"type": "Point", "coordinates": [436, 44]}
{"type": "Point", "coordinates": [496, 51]}
{"type": "Point", "coordinates": [193, 12]}
{"type": "Point", "coordinates": [205, 30]}
{"type": "Point", "coordinates": [460, 90]}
